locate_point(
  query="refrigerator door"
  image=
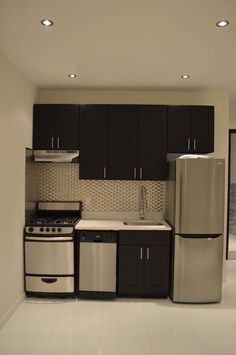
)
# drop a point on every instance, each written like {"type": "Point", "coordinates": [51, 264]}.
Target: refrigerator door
{"type": "Point", "coordinates": [197, 269]}
{"type": "Point", "coordinates": [199, 205]}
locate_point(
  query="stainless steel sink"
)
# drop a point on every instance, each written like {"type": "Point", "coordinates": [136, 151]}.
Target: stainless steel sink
{"type": "Point", "coordinates": [142, 223]}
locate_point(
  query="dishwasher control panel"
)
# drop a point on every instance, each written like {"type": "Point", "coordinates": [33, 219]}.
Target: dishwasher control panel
{"type": "Point", "coordinates": [98, 236]}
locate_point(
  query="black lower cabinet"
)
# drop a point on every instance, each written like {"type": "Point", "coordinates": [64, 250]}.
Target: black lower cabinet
{"type": "Point", "coordinates": [143, 266]}
{"type": "Point", "coordinates": [130, 270]}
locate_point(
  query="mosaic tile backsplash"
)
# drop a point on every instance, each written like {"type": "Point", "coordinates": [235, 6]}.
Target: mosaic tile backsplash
{"type": "Point", "coordinates": [60, 182]}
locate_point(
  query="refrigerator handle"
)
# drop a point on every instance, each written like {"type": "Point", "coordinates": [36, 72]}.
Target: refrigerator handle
{"type": "Point", "coordinates": [200, 236]}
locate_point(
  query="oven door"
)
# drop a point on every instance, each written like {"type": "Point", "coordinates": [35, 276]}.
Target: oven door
{"type": "Point", "coordinates": [49, 255]}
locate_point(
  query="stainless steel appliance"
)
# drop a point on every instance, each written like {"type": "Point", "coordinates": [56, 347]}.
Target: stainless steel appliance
{"type": "Point", "coordinates": [49, 246]}
{"type": "Point", "coordinates": [97, 264]}
{"type": "Point", "coordinates": [196, 212]}
{"type": "Point", "coordinates": [58, 156]}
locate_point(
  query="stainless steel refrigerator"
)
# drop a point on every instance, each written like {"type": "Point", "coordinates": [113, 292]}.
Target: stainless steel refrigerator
{"type": "Point", "coordinates": [195, 209]}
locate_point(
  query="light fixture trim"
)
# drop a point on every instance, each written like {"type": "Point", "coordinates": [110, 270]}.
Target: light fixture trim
{"type": "Point", "coordinates": [222, 23]}
{"type": "Point", "coordinates": [185, 76]}
{"type": "Point", "coordinates": [47, 22]}
{"type": "Point", "coordinates": [72, 76]}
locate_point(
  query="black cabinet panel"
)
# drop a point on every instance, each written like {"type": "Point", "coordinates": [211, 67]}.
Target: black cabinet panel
{"type": "Point", "coordinates": [202, 129]}
{"type": "Point", "coordinates": [143, 268]}
{"type": "Point", "coordinates": [134, 237]}
{"type": "Point", "coordinates": [156, 272]}
{"type": "Point", "coordinates": [93, 142]}
{"type": "Point", "coordinates": [190, 129]}
{"type": "Point", "coordinates": [179, 129]}
{"type": "Point", "coordinates": [130, 281]}
{"type": "Point", "coordinates": [67, 127]}
{"type": "Point", "coordinates": [56, 127]}
{"type": "Point", "coordinates": [44, 122]}
{"type": "Point", "coordinates": [123, 135]}
{"type": "Point", "coordinates": [152, 142]}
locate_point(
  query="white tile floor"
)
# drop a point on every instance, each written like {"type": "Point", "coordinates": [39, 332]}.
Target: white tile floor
{"type": "Point", "coordinates": [124, 326]}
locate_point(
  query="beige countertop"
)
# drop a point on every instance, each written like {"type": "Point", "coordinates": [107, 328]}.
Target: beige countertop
{"type": "Point", "coordinates": [117, 225]}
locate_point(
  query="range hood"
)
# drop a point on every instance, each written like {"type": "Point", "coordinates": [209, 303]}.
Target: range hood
{"type": "Point", "coordinates": [57, 156]}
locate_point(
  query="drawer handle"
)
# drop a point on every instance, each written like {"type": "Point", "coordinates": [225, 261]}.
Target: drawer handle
{"type": "Point", "coordinates": [48, 281]}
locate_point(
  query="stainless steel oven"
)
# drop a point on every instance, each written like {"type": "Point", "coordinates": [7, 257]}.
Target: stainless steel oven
{"type": "Point", "coordinates": [49, 246]}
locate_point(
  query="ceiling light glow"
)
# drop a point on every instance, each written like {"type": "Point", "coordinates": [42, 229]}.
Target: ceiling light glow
{"type": "Point", "coordinates": [222, 23]}
{"type": "Point", "coordinates": [72, 76]}
{"type": "Point", "coordinates": [46, 22]}
{"type": "Point", "coordinates": [185, 76]}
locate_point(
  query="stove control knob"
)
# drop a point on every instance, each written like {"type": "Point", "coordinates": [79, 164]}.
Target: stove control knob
{"type": "Point", "coordinates": [41, 229]}
{"type": "Point", "coordinates": [59, 229]}
{"type": "Point", "coordinates": [47, 229]}
{"type": "Point", "coordinates": [31, 229]}
{"type": "Point", "coordinates": [53, 229]}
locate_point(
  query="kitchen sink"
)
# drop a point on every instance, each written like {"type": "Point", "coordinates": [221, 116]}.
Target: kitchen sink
{"type": "Point", "coordinates": [142, 223]}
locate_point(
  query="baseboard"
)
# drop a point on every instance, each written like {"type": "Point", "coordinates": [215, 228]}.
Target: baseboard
{"type": "Point", "coordinates": [11, 310]}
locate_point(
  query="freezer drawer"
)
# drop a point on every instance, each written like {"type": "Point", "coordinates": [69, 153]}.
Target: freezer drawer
{"type": "Point", "coordinates": [197, 269]}
{"type": "Point", "coordinates": [97, 267]}
{"type": "Point", "coordinates": [49, 258]}
{"type": "Point", "coordinates": [49, 284]}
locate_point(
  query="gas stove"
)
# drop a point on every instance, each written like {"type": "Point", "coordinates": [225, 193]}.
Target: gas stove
{"type": "Point", "coordinates": [50, 247]}
{"type": "Point", "coordinates": [54, 218]}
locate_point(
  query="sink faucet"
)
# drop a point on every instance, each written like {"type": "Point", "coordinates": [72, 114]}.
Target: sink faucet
{"type": "Point", "coordinates": [143, 204]}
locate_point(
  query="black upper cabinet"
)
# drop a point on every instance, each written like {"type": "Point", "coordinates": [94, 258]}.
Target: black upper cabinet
{"type": "Point", "coordinates": [123, 142]}
{"type": "Point", "coordinates": [56, 127]}
{"type": "Point", "coordinates": [190, 129]}
{"type": "Point", "coordinates": [152, 142]}
{"type": "Point", "coordinates": [93, 141]}
{"type": "Point", "coordinates": [137, 142]}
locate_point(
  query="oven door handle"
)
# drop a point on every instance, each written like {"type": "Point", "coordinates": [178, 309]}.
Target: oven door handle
{"type": "Point", "coordinates": [48, 239]}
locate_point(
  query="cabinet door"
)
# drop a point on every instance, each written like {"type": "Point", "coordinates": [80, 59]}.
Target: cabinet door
{"type": "Point", "coordinates": [44, 123]}
{"type": "Point", "coordinates": [93, 141]}
{"type": "Point", "coordinates": [67, 136]}
{"type": "Point", "coordinates": [123, 137]}
{"type": "Point", "coordinates": [179, 129]}
{"type": "Point", "coordinates": [130, 270]}
{"type": "Point", "coordinates": [152, 142]}
{"type": "Point", "coordinates": [156, 272]}
{"type": "Point", "coordinates": [202, 129]}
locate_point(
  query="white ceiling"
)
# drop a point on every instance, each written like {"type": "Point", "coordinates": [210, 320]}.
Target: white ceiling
{"type": "Point", "coordinates": [122, 44]}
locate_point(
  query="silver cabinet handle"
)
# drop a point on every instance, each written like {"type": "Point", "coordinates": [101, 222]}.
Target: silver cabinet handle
{"type": "Point", "coordinates": [194, 144]}
{"type": "Point", "coordinates": [188, 143]}
{"type": "Point", "coordinates": [141, 253]}
{"type": "Point", "coordinates": [135, 173]}
{"type": "Point", "coordinates": [104, 172]}
{"type": "Point", "coordinates": [147, 253]}
{"type": "Point", "coordinates": [141, 173]}
{"type": "Point", "coordinates": [52, 141]}
{"type": "Point", "coordinates": [58, 142]}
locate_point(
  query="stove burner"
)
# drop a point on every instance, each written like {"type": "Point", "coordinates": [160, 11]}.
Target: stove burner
{"type": "Point", "coordinates": [52, 221]}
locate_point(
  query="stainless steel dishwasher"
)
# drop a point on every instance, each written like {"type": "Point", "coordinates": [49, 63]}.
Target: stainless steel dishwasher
{"type": "Point", "coordinates": [97, 264]}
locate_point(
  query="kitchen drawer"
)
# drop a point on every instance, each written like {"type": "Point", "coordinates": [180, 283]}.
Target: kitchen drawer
{"type": "Point", "coordinates": [132, 237]}
{"type": "Point", "coordinates": [49, 284]}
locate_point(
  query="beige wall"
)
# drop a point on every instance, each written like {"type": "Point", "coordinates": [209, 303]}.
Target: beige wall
{"type": "Point", "coordinates": [232, 119]}
{"type": "Point", "coordinates": [16, 102]}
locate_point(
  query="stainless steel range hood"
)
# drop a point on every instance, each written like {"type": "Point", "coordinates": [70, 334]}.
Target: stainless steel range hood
{"type": "Point", "coordinates": [57, 156]}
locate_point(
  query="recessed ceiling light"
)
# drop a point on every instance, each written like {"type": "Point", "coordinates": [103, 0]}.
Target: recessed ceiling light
{"type": "Point", "coordinates": [222, 23]}
{"type": "Point", "coordinates": [46, 22]}
{"type": "Point", "coordinates": [185, 76]}
{"type": "Point", "coordinates": [72, 76]}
